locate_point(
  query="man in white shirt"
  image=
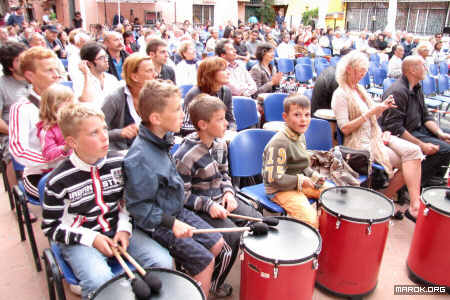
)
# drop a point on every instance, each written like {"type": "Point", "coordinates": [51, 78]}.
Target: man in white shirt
{"type": "Point", "coordinates": [96, 83]}
{"type": "Point", "coordinates": [285, 49]}
{"type": "Point", "coordinates": [395, 63]}
{"type": "Point", "coordinates": [240, 81]}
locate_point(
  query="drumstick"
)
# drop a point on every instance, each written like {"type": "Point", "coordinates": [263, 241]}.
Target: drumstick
{"type": "Point", "coordinates": [257, 229]}
{"type": "Point", "coordinates": [139, 287]}
{"type": "Point", "coordinates": [152, 281]}
{"type": "Point", "coordinates": [268, 220]}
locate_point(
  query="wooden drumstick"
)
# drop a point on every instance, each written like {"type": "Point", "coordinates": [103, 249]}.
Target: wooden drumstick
{"type": "Point", "coordinates": [152, 281]}
{"type": "Point", "coordinates": [139, 286]}
{"type": "Point", "coordinates": [269, 221]}
{"type": "Point", "coordinates": [257, 229]}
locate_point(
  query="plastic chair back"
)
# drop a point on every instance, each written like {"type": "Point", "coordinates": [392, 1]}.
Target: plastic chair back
{"type": "Point", "coordinates": [303, 72]}
{"type": "Point", "coordinates": [428, 85]}
{"type": "Point", "coordinates": [304, 60]}
{"type": "Point", "coordinates": [378, 76]}
{"type": "Point", "coordinates": [327, 51]}
{"type": "Point", "coordinates": [320, 61]}
{"type": "Point", "coordinates": [41, 186]}
{"type": "Point", "coordinates": [387, 83]}
{"type": "Point", "coordinates": [246, 151]}
{"type": "Point", "coordinates": [285, 65]}
{"type": "Point", "coordinates": [273, 107]}
{"type": "Point", "coordinates": [433, 69]}
{"type": "Point", "coordinates": [251, 63]}
{"type": "Point", "coordinates": [375, 58]}
{"type": "Point", "coordinates": [442, 83]}
{"type": "Point", "coordinates": [365, 81]}
{"type": "Point", "coordinates": [308, 93]}
{"type": "Point", "coordinates": [334, 60]}
{"type": "Point", "coordinates": [443, 68]}
{"type": "Point", "coordinates": [67, 83]}
{"type": "Point", "coordinates": [65, 63]}
{"type": "Point", "coordinates": [320, 68]}
{"type": "Point", "coordinates": [245, 112]}
{"type": "Point", "coordinates": [318, 135]}
{"type": "Point", "coordinates": [185, 89]}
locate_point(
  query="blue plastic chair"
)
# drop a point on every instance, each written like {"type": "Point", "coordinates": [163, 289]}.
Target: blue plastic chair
{"type": "Point", "coordinates": [251, 63]}
{"type": "Point", "coordinates": [365, 81]}
{"type": "Point", "coordinates": [185, 89]}
{"type": "Point", "coordinates": [334, 60]}
{"type": "Point", "coordinates": [433, 69]}
{"type": "Point", "coordinates": [326, 51]}
{"type": "Point", "coordinates": [245, 158]}
{"type": "Point", "coordinates": [21, 201]}
{"type": "Point", "coordinates": [305, 60]}
{"type": "Point", "coordinates": [442, 83]}
{"type": "Point", "coordinates": [443, 68]}
{"type": "Point", "coordinates": [320, 61]}
{"type": "Point", "coordinates": [379, 76]}
{"type": "Point", "coordinates": [209, 54]}
{"type": "Point", "coordinates": [273, 107]}
{"type": "Point", "coordinates": [308, 93]}
{"type": "Point", "coordinates": [67, 83]}
{"type": "Point", "coordinates": [245, 112]}
{"type": "Point", "coordinates": [428, 85]}
{"type": "Point", "coordinates": [375, 58]}
{"type": "Point", "coordinates": [385, 66]}
{"type": "Point", "coordinates": [320, 68]}
{"type": "Point", "coordinates": [318, 136]}
{"type": "Point", "coordinates": [65, 63]}
{"type": "Point", "coordinates": [387, 83]}
{"type": "Point", "coordinates": [303, 73]}
{"type": "Point", "coordinates": [285, 65]}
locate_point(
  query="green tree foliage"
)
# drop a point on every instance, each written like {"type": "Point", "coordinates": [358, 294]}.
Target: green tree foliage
{"type": "Point", "coordinates": [309, 15]}
{"type": "Point", "coordinates": [266, 14]}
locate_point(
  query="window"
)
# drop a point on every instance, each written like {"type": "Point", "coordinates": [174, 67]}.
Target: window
{"type": "Point", "coordinates": [202, 14]}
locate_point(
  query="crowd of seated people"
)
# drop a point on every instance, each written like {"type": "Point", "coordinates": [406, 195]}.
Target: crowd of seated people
{"type": "Point", "coordinates": [124, 97]}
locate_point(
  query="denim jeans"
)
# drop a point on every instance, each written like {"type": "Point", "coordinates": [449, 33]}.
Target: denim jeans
{"type": "Point", "coordinates": [92, 269]}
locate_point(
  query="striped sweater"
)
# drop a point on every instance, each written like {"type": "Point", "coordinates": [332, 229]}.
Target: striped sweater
{"type": "Point", "coordinates": [204, 172]}
{"type": "Point", "coordinates": [83, 200]}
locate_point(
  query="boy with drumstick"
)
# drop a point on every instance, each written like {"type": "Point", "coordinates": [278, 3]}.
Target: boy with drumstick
{"type": "Point", "coordinates": [288, 177]}
{"type": "Point", "coordinates": [155, 191]}
{"type": "Point", "coordinates": [83, 208]}
{"type": "Point", "coordinates": [202, 161]}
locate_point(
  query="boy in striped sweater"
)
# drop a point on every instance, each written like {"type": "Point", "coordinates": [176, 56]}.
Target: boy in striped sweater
{"type": "Point", "coordinates": [83, 208]}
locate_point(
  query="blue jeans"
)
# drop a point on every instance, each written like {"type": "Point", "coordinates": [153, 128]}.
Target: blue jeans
{"type": "Point", "coordinates": [92, 269]}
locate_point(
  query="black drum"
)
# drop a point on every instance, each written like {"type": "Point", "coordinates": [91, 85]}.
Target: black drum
{"type": "Point", "coordinates": [175, 286]}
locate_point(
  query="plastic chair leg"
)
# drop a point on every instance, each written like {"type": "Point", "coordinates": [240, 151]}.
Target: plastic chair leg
{"type": "Point", "coordinates": [54, 277]}
{"type": "Point", "coordinates": [3, 168]}
{"type": "Point", "coordinates": [34, 250]}
{"type": "Point", "coordinates": [17, 194]}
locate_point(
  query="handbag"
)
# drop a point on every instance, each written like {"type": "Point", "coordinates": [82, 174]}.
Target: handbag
{"type": "Point", "coordinates": [358, 160]}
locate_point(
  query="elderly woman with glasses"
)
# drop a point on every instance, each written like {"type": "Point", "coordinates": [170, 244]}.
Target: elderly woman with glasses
{"type": "Point", "coordinates": [120, 106]}
{"type": "Point", "coordinates": [357, 115]}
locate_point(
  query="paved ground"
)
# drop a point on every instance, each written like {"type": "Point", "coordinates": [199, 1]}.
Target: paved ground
{"type": "Point", "coordinates": [19, 280]}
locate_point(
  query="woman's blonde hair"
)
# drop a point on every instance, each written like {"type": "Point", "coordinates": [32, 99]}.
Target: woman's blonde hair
{"type": "Point", "coordinates": [353, 59]}
{"type": "Point", "coordinates": [131, 65]}
{"type": "Point", "coordinates": [51, 99]}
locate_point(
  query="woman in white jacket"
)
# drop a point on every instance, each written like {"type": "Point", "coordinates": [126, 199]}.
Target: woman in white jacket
{"type": "Point", "coordinates": [186, 70]}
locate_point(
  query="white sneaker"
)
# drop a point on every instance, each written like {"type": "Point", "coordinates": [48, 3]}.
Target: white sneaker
{"type": "Point", "coordinates": [76, 289]}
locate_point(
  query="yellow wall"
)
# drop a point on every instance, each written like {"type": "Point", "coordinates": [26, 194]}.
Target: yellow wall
{"type": "Point", "coordinates": [335, 6]}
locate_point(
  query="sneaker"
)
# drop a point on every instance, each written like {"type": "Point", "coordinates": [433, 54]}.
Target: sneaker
{"type": "Point", "coordinates": [225, 290]}
{"type": "Point", "coordinates": [76, 289]}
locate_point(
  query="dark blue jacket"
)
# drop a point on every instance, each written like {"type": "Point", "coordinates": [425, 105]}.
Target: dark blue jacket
{"type": "Point", "coordinates": [154, 191]}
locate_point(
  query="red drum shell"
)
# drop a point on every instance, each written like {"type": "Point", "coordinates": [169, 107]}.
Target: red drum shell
{"type": "Point", "coordinates": [293, 282]}
{"type": "Point", "coordinates": [350, 259]}
{"type": "Point", "coordinates": [428, 256]}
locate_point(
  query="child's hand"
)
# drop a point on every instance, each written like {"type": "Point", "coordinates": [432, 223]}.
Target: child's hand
{"type": "Point", "coordinates": [181, 229]}
{"type": "Point", "coordinates": [103, 244]}
{"type": "Point", "coordinates": [218, 211]}
{"type": "Point", "coordinates": [229, 202]}
{"type": "Point", "coordinates": [122, 238]}
{"type": "Point", "coordinates": [130, 131]}
{"type": "Point", "coordinates": [307, 183]}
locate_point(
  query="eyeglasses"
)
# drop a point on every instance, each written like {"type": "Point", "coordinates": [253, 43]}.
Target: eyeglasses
{"type": "Point", "coordinates": [103, 57]}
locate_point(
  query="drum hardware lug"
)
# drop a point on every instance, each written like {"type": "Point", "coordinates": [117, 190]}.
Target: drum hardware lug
{"type": "Point", "coordinates": [315, 264]}
{"type": "Point", "coordinates": [241, 256]}
{"type": "Point", "coordinates": [275, 270]}
{"type": "Point", "coordinates": [338, 221]}
{"type": "Point", "coordinates": [369, 229]}
{"type": "Point", "coordinates": [426, 211]}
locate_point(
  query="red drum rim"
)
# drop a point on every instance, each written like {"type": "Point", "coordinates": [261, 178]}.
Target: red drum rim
{"type": "Point", "coordinates": [434, 207]}
{"type": "Point", "coordinates": [106, 284]}
{"type": "Point", "coordinates": [315, 254]}
{"type": "Point", "coordinates": [355, 219]}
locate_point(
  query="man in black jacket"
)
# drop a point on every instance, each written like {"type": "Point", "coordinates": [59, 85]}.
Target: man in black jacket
{"type": "Point", "coordinates": [412, 121]}
{"type": "Point", "coordinates": [157, 50]}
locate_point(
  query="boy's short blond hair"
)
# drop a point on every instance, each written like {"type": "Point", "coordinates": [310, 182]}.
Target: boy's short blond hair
{"type": "Point", "coordinates": [153, 97]}
{"type": "Point", "coordinates": [71, 115]}
{"type": "Point", "coordinates": [297, 100]}
{"type": "Point", "coordinates": [203, 107]}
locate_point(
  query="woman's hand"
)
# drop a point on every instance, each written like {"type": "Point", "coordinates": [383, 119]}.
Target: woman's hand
{"type": "Point", "coordinates": [377, 110]}
{"type": "Point", "coordinates": [276, 78]}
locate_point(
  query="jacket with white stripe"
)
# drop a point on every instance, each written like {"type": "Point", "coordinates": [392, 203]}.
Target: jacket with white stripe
{"type": "Point", "coordinates": [24, 144]}
{"type": "Point", "coordinates": [82, 200]}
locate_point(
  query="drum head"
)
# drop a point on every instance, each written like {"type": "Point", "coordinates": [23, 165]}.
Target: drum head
{"type": "Point", "coordinates": [290, 242]}
{"type": "Point", "coordinates": [357, 204]}
{"type": "Point", "coordinates": [175, 285]}
{"type": "Point", "coordinates": [437, 199]}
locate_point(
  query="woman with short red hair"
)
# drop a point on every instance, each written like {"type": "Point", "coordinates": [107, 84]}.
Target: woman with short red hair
{"type": "Point", "coordinates": [212, 76]}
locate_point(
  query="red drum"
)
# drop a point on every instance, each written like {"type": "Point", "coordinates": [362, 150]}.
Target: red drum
{"type": "Point", "coordinates": [281, 264]}
{"type": "Point", "coordinates": [429, 259]}
{"type": "Point", "coordinates": [354, 225]}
